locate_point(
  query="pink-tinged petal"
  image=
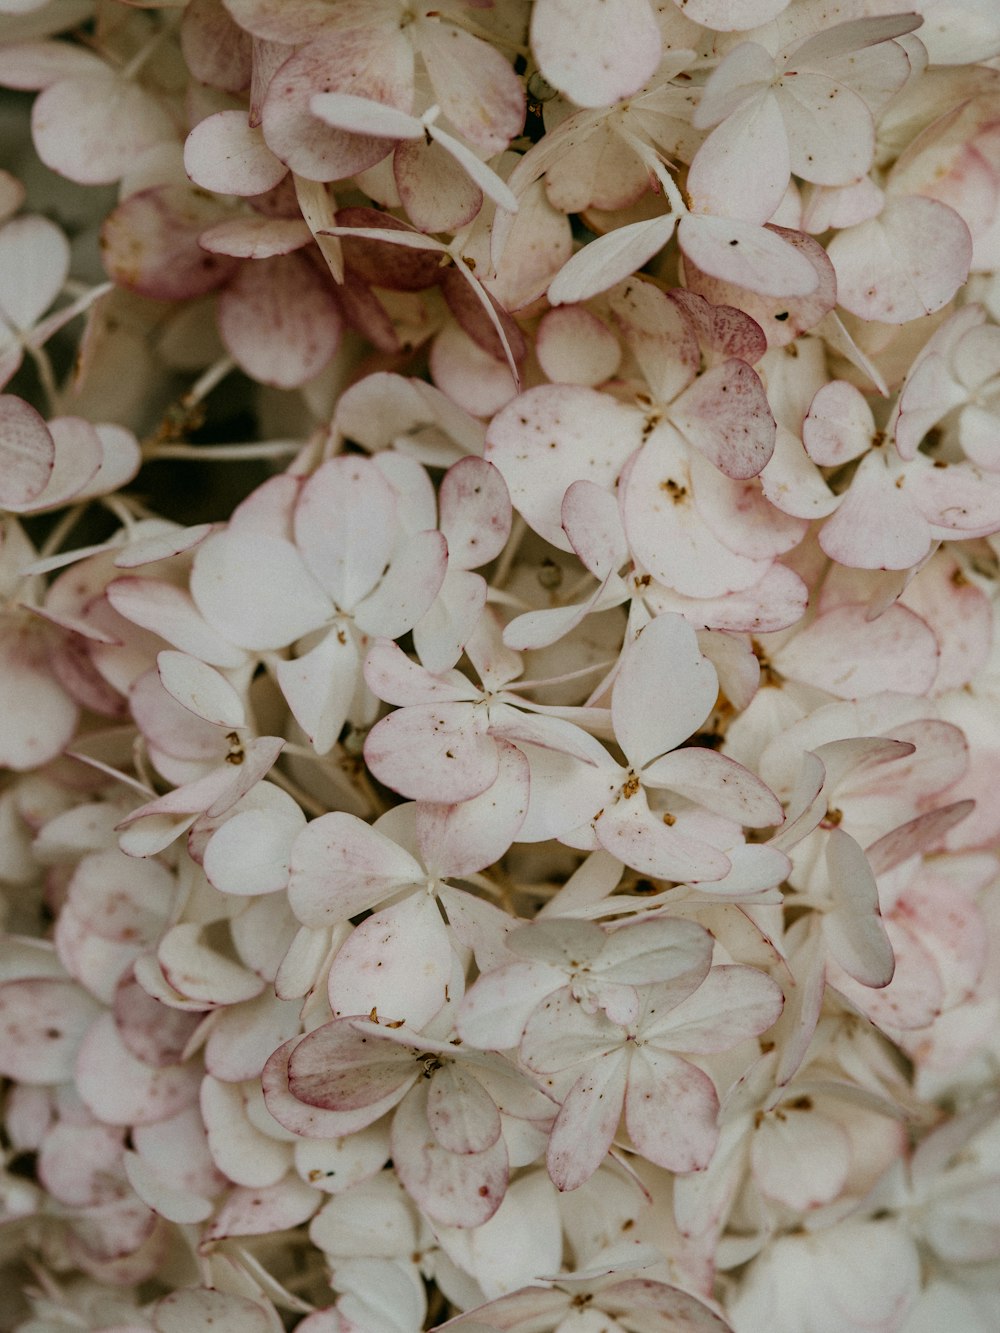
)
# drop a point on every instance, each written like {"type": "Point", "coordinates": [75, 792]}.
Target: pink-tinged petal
{"type": "Point", "coordinates": [930, 392]}
{"type": "Point", "coordinates": [565, 794]}
{"type": "Point", "coordinates": [149, 244]}
{"type": "Point", "coordinates": [831, 135]}
{"type": "Point", "coordinates": [222, 1311]}
{"type": "Point", "coordinates": [656, 950]}
{"type": "Point", "coordinates": [309, 1122]}
{"type": "Point", "coordinates": [453, 1189]}
{"type": "Point", "coordinates": [851, 656]}
{"type": "Point", "coordinates": [907, 262]}
{"type": "Point", "coordinates": [184, 1204]}
{"type": "Point", "coordinates": [242, 1038]}
{"type": "Point", "coordinates": [33, 65]}
{"type": "Point", "coordinates": [739, 513]}
{"type": "Point", "coordinates": [677, 1306]}
{"type": "Point", "coordinates": [853, 930]}
{"type": "Point", "coordinates": [239, 1149]}
{"type": "Point", "coordinates": [152, 1032]}
{"type": "Point", "coordinates": [913, 999]}
{"type": "Point", "coordinates": [345, 523]}
{"type": "Point", "coordinates": [374, 970]}
{"type": "Point", "coordinates": [593, 52]}
{"type": "Point", "coordinates": [201, 689]}
{"type": "Point", "coordinates": [592, 522]}
{"type": "Point", "coordinates": [745, 72]}
{"type": "Point", "coordinates": [161, 544]}
{"type": "Point", "coordinates": [433, 752]}
{"type": "Point", "coordinates": [215, 50]}
{"type": "Point", "coordinates": [838, 426]}
{"type": "Point", "coordinates": [665, 529]}
{"type": "Point", "coordinates": [723, 329]}
{"type": "Point", "coordinates": [340, 1069]}
{"type": "Point", "coordinates": [961, 617]}
{"type": "Point", "coordinates": [639, 838]}
{"type": "Point", "coordinates": [434, 188]}
{"type": "Point", "coordinates": [408, 589]}
{"type": "Point", "coordinates": [481, 316]}
{"type": "Point", "coordinates": [340, 866]}
{"type": "Point", "coordinates": [560, 1033]}
{"type": "Point", "coordinates": [552, 436]}
{"type": "Point", "coordinates": [450, 622]}
{"type": "Point", "coordinates": [42, 1024]}
{"type": "Point", "coordinates": [573, 346]}
{"type": "Point", "coordinates": [475, 513]}
{"type": "Point", "coordinates": [272, 612]}
{"type": "Point", "coordinates": [732, 1004]}
{"type": "Point", "coordinates": [957, 498]}
{"type": "Point", "coordinates": [195, 969]}
{"type": "Point", "coordinates": [460, 839]}
{"type": "Point", "coordinates": [320, 685]}
{"type": "Point", "coordinates": [383, 262]}
{"type": "Point", "coordinates": [746, 255]}
{"type": "Point", "coordinates": [743, 168]}
{"type": "Point", "coordinates": [259, 1212]}
{"type": "Point", "coordinates": [648, 722]}
{"type": "Point", "coordinates": [877, 525]}
{"type": "Point", "coordinates": [27, 454]}
{"type": "Point", "coordinates": [396, 679]}
{"type": "Point", "coordinates": [121, 458]}
{"type": "Point", "coordinates": [93, 128]}
{"type": "Point", "coordinates": [121, 1090]}
{"type": "Point", "coordinates": [34, 264]}
{"type": "Point", "coordinates": [469, 376]}
{"type": "Point", "coordinates": [250, 853]}
{"type": "Point", "coordinates": [255, 237]}
{"type": "Point", "coordinates": [169, 611]}
{"type": "Point", "coordinates": [120, 900]}
{"type": "Point", "coordinates": [588, 1121]}
{"type": "Point", "coordinates": [915, 836]}
{"type": "Point", "coordinates": [659, 333]}
{"type": "Point", "coordinates": [78, 457]}
{"type": "Point", "coordinates": [371, 62]}
{"type": "Point", "coordinates": [225, 154]}
{"type": "Point", "coordinates": [38, 718]}
{"type": "Point", "coordinates": [462, 1115]}
{"type": "Point", "coordinates": [670, 1110]}
{"type": "Point", "coordinates": [474, 84]}
{"type": "Point", "coordinates": [610, 259]}
{"type": "Point", "coordinates": [485, 179]}
{"type": "Point", "coordinates": [782, 318]}
{"type": "Point", "coordinates": [717, 783]}
{"type": "Point", "coordinates": [725, 414]}
{"type": "Point", "coordinates": [799, 1157]}
{"type": "Point", "coordinates": [495, 1011]}
{"type": "Point", "coordinates": [280, 320]}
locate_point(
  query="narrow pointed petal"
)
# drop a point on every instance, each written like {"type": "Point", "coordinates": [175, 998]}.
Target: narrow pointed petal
{"type": "Point", "coordinates": [854, 931]}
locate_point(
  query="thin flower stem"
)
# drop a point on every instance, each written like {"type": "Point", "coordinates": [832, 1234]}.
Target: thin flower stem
{"type": "Point", "coordinates": [204, 385]}
{"type": "Point", "coordinates": [517, 532]}
{"type": "Point", "coordinates": [53, 542]}
{"type": "Point", "coordinates": [231, 452]}
{"type": "Point", "coordinates": [46, 375]}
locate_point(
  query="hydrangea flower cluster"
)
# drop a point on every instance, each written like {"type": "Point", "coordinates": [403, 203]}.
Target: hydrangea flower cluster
{"type": "Point", "coordinates": [500, 650]}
